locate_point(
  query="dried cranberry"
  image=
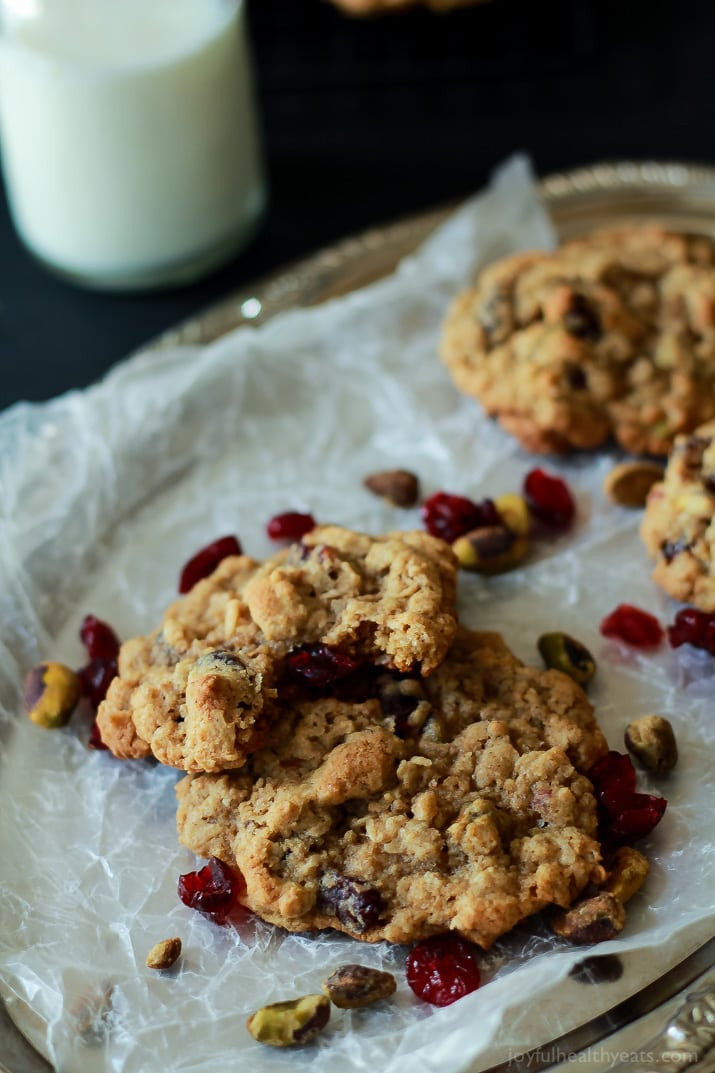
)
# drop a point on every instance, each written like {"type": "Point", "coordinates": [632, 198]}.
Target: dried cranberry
{"type": "Point", "coordinates": [205, 561]}
{"type": "Point", "coordinates": [576, 377]}
{"type": "Point", "coordinates": [670, 548]}
{"type": "Point", "coordinates": [99, 638]}
{"type": "Point", "coordinates": [94, 679]}
{"type": "Point", "coordinates": [637, 817]}
{"type": "Point", "coordinates": [624, 815]}
{"type": "Point", "coordinates": [549, 499]}
{"type": "Point", "coordinates": [357, 905]}
{"type": "Point", "coordinates": [635, 627]}
{"type": "Point", "coordinates": [450, 516]}
{"type": "Point", "coordinates": [399, 698]}
{"type": "Point", "coordinates": [95, 738]}
{"type": "Point", "coordinates": [320, 665]}
{"type": "Point", "coordinates": [290, 526]}
{"type": "Point", "coordinates": [692, 627]}
{"type": "Point", "coordinates": [582, 320]}
{"type": "Point", "coordinates": [213, 890]}
{"type": "Point", "coordinates": [709, 637]}
{"type": "Point", "coordinates": [614, 781]}
{"type": "Point", "coordinates": [613, 767]}
{"type": "Point", "coordinates": [443, 969]}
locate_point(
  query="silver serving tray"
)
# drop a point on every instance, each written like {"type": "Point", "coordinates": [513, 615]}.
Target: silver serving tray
{"type": "Point", "coordinates": [670, 1020]}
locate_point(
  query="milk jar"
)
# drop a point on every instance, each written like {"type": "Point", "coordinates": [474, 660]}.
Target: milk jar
{"type": "Point", "coordinates": [128, 133]}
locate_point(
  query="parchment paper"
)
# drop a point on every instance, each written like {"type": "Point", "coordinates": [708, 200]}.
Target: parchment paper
{"type": "Point", "coordinates": [105, 493]}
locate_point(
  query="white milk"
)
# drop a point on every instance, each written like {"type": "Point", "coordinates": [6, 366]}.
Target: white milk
{"type": "Point", "coordinates": [128, 135]}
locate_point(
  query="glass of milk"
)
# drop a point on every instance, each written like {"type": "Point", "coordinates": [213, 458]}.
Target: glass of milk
{"type": "Point", "coordinates": [128, 132]}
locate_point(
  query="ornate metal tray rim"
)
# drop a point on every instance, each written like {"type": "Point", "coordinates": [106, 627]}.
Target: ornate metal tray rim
{"type": "Point", "coordinates": [677, 194]}
{"type": "Point", "coordinates": [674, 193]}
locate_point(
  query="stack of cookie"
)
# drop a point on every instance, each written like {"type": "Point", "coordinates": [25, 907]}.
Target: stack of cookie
{"type": "Point", "coordinates": [366, 764]}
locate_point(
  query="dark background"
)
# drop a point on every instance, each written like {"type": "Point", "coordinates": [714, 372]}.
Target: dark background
{"type": "Point", "coordinates": [366, 120]}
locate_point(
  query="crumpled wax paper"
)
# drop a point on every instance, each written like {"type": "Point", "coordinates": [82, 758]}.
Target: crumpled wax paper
{"type": "Point", "coordinates": [105, 494]}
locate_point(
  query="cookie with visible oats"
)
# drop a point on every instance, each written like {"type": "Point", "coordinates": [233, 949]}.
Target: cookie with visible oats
{"type": "Point", "coordinates": [678, 526]}
{"type": "Point", "coordinates": [390, 598]}
{"type": "Point", "coordinates": [422, 805]}
{"type": "Point", "coordinates": [197, 692]}
{"type": "Point", "coordinates": [201, 691]}
{"type": "Point", "coordinates": [610, 336]}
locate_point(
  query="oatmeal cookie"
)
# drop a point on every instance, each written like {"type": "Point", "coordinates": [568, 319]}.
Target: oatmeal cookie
{"type": "Point", "coordinates": [200, 692]}
{"type": "Point", "coordinates": [454, 802]}
{"type": "Point", "coordinates": [197, 693]}
{"type": "Point", "coordinates": [612, 335]}
{"type": "Point", "coordinates": [388, 597]}
{"type": "Point", "coordinates": [678, 526]}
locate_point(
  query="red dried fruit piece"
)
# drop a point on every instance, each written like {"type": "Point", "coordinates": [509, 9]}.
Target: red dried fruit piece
{"type": "Point", "coordinates": [549, 499]}
{"type": "Point", "coordinates": [357, 905]}
{"type": "Point", "coordinates": [635, 627]}
{"type": "Point", "coordinates": [443, 969]}
{"type": "Point", "coordinates": [99, 638]}
{"type": "Point", "coordinates": [95, 738]}
{"type": "Point", "coordinates": [613, 767]}
{"type": "Point", "coordinates": [205, 561]}
{"type": "Point", "coordinates": [692, 627]}
{"type": "Point", "coordinates": [709, 638]}
{"type": "Point", "coordinates": [637, 818]}
{"type": "Point", "coordinates": [320, 665]}
{"type": "Point", "coordinates": [94, 679]}
{"type": "Point", "coordinates": [624, 815]}
{"type": "Point", "coordinates": [451, 516]}
{"type": "Point", "coordinates": [290, 526]}
{"type": "Point", "coordinates": [399, 698]}
{"type": "Point", "coordinates": [213, 890]}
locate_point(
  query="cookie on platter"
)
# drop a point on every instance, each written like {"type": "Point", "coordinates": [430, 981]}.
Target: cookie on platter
{"type": "Point", "coordinates": [454, 802]}
{"type": "Point", "coordinates": [612, 336]}
{"type": "Point", "coordinates": [200, 692]}
{"type": "Point", "coordinates": [678, 526]}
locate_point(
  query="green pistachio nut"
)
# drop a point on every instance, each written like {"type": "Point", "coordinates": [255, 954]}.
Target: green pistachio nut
{"type": "Point", "coordinates": [492, 549]}
{"type": "Point", "coordinates": [289, 1024]}
{"type": "Point", "coordinates": [627, 874]}
{"type": "Point", "coordinates": [51, 694]}
{"type": "Point", "coordinates": [353, 986]}
{"type": "Point", "coordinates": [561, 652]}
{"type": "Point", "coordinates": [592, 920]}
{"type": "Point", "coordinates": [652, 742]}
{"type": "Point", "coordinates": [514, 512]}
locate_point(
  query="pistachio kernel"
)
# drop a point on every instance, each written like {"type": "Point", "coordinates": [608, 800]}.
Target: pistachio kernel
{"type": "Point", "coordinates": [593, 920]}
{"type": "Point", "coordinates": [288, 1024]}
{"type": "Point", "coordinates": [514, 512]}
{"type": "Point", "coordinates": [52, 691]}
{"type": "Point", "coordinates": [353, 986]}
{"type": "Point", "coordinates": [164, 954]}
{"type": "Point", "coordinates": [492, 549]}
{"type": "Point", "coordinates": [627, 874]}
{"type": "Point", "coordinates": [397, 486]}
{"type": "Point", "coordinates": [652, 742]}
{"type": "Point", "coordinates": [562, 652]}
{"type": "Point", "coordinates": [629, 483]}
